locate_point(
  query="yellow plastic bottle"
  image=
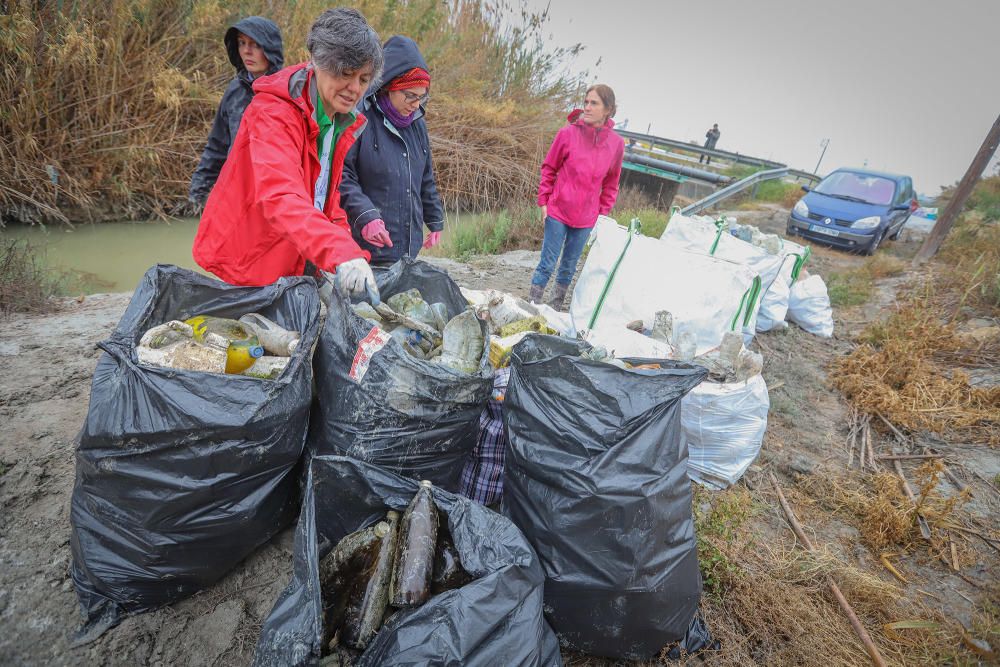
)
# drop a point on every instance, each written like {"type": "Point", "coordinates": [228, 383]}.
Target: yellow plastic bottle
{"type": "Point", "coordinates": [243, 348]}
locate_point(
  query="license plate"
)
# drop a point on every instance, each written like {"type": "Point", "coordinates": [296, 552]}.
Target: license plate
{"type": "Point", "coordinates": [824, 230]}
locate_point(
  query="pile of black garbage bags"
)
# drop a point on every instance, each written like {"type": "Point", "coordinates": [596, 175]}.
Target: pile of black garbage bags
{"type": "Point", "coordinates": [181, 475]}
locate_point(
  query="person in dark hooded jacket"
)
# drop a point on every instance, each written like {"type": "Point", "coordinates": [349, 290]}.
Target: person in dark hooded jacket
{"type": "Point", "coordinates": [388, 189]}
{"type": "Point", "coordinates": [254, 48]}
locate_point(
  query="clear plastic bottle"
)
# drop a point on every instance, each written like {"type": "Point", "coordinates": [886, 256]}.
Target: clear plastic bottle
{"type": "Point", "coordinates": [275, 340]}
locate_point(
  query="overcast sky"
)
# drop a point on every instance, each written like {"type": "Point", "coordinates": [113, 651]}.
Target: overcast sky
{"type": "Point", "coordinates": [911, 87]}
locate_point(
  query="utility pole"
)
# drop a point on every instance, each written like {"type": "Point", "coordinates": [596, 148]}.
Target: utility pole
{"type": "Point", "coordinates": [947, 219]}
{"type": "Point", "coordinates": [824, 144]}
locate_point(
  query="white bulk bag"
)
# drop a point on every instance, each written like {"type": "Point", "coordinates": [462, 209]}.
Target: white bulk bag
{"type": "Point", "coordinates": [701, 234]}
{"type": "Point", "coordinates": [809, 306]}
{"type": "Point", "coordinates": [723, 427]}
{"type": "Point", "coordinates": [630, 277]}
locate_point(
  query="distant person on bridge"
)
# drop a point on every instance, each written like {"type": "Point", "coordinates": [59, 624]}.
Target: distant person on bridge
{"type": "Point", "coordinates": [579, 182]}
{"type": "Point", "coordinates": [711, 138]}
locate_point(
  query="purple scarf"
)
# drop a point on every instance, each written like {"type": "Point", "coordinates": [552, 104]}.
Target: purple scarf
{"type": "Point", "coordinates": [394, 116]}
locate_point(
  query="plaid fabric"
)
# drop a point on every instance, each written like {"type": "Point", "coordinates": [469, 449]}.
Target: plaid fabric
{"type": "Point", "coordinates": [482, 477]}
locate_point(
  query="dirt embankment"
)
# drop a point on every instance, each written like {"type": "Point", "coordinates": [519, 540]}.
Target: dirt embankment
{"type": "Point", "coordinates": [44, 387]}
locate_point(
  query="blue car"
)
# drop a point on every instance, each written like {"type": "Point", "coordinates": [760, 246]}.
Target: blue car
{"type": "Point", "coordinates": [854, 209]}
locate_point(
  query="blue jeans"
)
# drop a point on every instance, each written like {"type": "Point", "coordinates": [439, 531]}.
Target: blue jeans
{"type": "Point", "coordinates": [560, 238]}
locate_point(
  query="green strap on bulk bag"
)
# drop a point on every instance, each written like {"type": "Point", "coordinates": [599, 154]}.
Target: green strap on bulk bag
{"type": "Point", "coordinates": [747, 303]}
{"type": "Point", "coordinates": [752, 301]}
{"type": "Point", "coordinates": [720, 228]}
{"type": "Point", "coordinates": [800, 261]}
{"type": "Point", "coordinates": [633, 230]}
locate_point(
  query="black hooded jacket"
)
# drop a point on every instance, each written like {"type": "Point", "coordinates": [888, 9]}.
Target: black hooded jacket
{"type": "Point", "coordinates": [234, 100]}
{"type": "Point", "coordinates": [388, 172]}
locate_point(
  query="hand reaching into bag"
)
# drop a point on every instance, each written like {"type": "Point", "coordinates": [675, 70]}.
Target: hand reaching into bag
{"type": "Point", "coordinates": [355, 277]}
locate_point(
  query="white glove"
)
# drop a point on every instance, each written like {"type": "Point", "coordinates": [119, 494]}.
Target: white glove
{"type": "Point", "coordinates": [355, 278]}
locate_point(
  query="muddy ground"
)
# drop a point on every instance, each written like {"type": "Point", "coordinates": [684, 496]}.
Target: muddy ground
{"type": "Point", "coordinates": [47, 364]}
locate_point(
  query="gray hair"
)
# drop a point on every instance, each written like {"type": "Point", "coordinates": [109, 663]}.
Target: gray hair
{"type": "Point", "coordinates": [341, 40]}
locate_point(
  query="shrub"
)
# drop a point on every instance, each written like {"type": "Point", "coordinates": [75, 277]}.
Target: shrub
{"type": "Point", "coordinates": [26, 285]}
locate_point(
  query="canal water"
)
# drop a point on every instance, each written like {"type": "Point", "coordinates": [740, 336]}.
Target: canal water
{"type": "Point", "coordinates": [108, 257]}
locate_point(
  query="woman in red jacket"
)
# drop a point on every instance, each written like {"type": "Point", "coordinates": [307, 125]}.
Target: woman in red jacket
{"type": "Point", "coordinates": [579, 182]}
{"type": "Point", "coordinates": [275, 210]}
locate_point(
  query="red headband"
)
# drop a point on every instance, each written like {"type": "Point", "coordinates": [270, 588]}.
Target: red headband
{"type": "Point", "coordinates": [416, 77]}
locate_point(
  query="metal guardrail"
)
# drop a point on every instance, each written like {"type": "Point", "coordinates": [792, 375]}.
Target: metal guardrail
{"type": "Point", "coordinates": [735, 188]}
{"type": "Point", "coordinates": [798, 173]}
{"type": "Point", "coordinates": [687, 146]}
{"type": "Point", "coordinates": [682, 170]}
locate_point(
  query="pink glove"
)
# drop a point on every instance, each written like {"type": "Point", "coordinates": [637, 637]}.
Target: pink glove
{"type": "Point", "coordinates": [432, 239]}
{"type": "Point", "coordinates": [374, 232]}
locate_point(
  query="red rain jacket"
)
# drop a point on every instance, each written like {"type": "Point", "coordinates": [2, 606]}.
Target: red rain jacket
{"type": "Point", "coordinates": [259, 222]}
{"type": "Point", "coordinates": [580, 173]}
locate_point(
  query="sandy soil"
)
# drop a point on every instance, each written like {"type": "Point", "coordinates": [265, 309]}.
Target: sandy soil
{"type": "Point", "coordinates": [47, 364]}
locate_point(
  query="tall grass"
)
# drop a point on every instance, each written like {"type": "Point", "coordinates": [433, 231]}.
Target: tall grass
{"type": "Point", "coordinates": [969, 261]}
{"type": "Point", "coordinates": [776, 191]}
{"type": "Point", "coordinates": [26, 284]}
{"type": "Point", "coordinates": [520, 227]}
{"type": "Point", "coordinates": [105, 107]}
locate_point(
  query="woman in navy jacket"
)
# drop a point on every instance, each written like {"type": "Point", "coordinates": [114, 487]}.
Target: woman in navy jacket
{"type": "Point", "coordinates": [388, 188]}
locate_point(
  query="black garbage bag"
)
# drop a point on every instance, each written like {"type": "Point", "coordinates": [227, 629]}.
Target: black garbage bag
{"type": "Point", "coordinates": [596, 478]}
{"type": "Point", "coordinates": [378, 403]}
{"type": "Point", "coordinates": [181, 474]}
{"type": "Point", "coordinates": [496, 619]}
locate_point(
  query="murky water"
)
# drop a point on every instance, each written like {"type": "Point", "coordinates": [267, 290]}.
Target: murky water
{"type": "Point", "coordinates": [109, 257]}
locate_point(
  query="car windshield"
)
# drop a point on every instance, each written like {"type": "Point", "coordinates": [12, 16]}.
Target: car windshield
{"type": "Point", "coordinates": [861, 187]}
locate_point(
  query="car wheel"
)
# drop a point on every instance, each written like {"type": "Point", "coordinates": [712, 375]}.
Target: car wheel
{"type": "Point", "coordinates": [873, 246]}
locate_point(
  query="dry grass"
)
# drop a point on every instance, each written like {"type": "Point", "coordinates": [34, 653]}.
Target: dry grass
{"type": "Point", "coordinates": [969, 265]}
{"type": "Point", "coordinates": [106, 106]}
{"type": "Point", "coordinates": [896, 372]}
{"type": "Point", "coordinates": [883, 515]}
{"type": "Point", "coordinates": [770, 604]}
{"type": "Point", "coordinates": [855, 286]}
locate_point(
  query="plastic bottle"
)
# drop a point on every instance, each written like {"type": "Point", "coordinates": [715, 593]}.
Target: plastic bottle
{"type": "Point", "coordinates": [729, 349]}
{"type": "Point", "coordinates": [463, 342]}
{"type": "Point", "coordinates": [242, 346]}
{"type": "Point", "coordinates": [275, 340]}
{"type": "Point", "coordinates": [687, 346]}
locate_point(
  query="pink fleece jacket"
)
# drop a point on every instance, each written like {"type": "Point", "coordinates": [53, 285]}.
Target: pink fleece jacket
{"type": "Point", "coordinates": [580, 173]}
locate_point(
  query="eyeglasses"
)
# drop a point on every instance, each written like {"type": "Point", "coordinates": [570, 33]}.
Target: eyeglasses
{"type": "Point", "coordinates": [413, 97]}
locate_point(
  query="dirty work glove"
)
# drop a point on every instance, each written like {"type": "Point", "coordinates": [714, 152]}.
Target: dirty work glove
{"type": "Point", "coordinates": [375, 233]}
{"type": "Point", "coordinates": [355, 277]}
{"type": "Point", "coordinates": [432, 239]}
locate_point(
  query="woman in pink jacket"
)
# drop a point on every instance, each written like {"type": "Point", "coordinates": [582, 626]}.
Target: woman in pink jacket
{"type": "Point", "coordinates": [579, 182]}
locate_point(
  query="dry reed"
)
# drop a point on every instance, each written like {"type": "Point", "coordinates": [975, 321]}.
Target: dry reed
{"type": "Point", "coordinates": [897, 372]}
{"type": "Point", "coordinates": [106, 106]}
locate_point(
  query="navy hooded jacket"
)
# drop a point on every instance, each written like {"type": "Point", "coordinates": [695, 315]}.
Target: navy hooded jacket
{"type": "Point", "coordinates": [388, 172]}
{"type": "Point", "coordinates": [234, 100]}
